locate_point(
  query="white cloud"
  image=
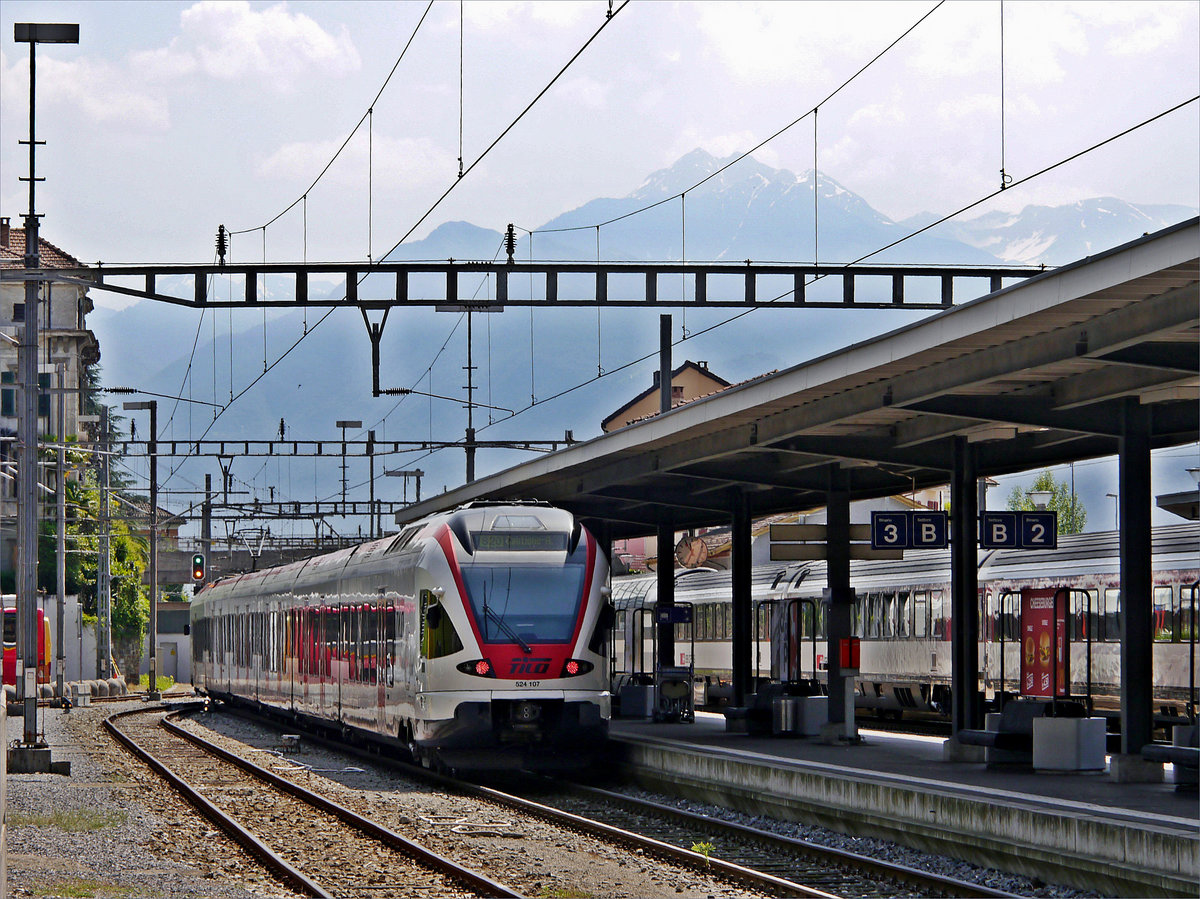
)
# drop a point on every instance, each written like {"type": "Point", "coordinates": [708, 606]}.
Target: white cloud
{"type": "Point", "coordinates": [99, 91]}
{"type": "Point", "coordinates": [584, 91]}
{"type": "Point", "coordinates": [229, 40]}
{"type": "Point", "coordinates": [395, 164]}
{"type": "Point", "coordinates": [490, 14]}
{"type": "Point", "coordinates": [219, 39]}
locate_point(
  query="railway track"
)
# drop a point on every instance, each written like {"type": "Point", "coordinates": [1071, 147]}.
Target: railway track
{"type": "Point", "coordinates": [312, 844]}
{"type": "Point", "coordinates": [757, 859]}
{"type": "Point", "coordinates": [849, 874]}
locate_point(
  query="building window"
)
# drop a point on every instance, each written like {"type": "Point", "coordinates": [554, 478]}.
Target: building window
{"type": "Point", "coordinates": [8, 395]}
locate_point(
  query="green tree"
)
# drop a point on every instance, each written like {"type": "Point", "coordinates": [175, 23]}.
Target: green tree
{"type": "Point", "coordinates": [128, 557]}
{"type": "Point", "coordinates": [1072, 515]}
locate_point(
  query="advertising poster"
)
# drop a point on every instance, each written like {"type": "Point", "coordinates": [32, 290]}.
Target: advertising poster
{"type": "Point", "coordinates": [1044, 642]}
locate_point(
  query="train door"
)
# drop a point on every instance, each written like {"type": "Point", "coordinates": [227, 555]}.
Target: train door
{"type": "Point", "coordinates": [346, 657]}
{"type": "Point", "coordinates": [289, 656]}
{"type": "Point", "coordinates": [378, 661]}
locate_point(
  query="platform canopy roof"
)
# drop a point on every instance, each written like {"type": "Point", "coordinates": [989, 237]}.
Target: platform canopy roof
{"type": "Point", "coordinates": [1033, 375]}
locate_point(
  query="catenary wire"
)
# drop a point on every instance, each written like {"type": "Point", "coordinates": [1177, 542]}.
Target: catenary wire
{"type": "Point", "coordinates": [304, 196]}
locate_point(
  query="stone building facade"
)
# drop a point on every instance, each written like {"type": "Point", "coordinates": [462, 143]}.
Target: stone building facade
{"type": "Point", "coordinates": [63, 338]}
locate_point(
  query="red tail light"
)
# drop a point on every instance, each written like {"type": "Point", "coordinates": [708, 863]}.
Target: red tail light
{"type": "Point", "coordinates": [576, 667]}
{"type": "Point", "coordinates": [478, 667]}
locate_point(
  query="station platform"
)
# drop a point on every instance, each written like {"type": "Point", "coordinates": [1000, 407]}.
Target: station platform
{"type": "Point", "coordinates": [1120, 839]}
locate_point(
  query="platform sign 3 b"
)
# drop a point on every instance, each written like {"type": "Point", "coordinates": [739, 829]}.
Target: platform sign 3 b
{"type": "Point", "coordinates": [1018, 530]}
{"type": "Point", "coordinates": [909, 530]}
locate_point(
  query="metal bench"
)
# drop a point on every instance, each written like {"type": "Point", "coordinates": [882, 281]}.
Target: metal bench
{"type": "Point", "coordinates": [1015, 730]}
{"type": "Point", "coordinates": [1184, 754]}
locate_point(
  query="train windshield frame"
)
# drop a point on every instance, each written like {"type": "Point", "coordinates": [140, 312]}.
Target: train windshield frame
{"type": "Point", "coordinates": [525, 603]}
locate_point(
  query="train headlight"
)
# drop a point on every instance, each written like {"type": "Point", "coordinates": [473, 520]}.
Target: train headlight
{"type": "Point", "coordinates": [576, 667]}
{"type": "Point", "coordinates": [478, 667]}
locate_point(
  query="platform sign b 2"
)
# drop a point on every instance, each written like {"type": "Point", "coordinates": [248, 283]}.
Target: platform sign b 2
{"type": "Point", "coordinates": [1018, 530]}
{"type": "Point", "coordinates": [1044, 655]}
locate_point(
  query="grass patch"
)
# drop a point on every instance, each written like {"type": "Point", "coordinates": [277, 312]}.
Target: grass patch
{"type": "Point", "coordinates": [85, 888]}
{"type": "Point", "coordinates": [563, 893]}
{"type": "Point", "coordinates": [164, 682]}
{"type": "Point", "coordinates": [75, 820]}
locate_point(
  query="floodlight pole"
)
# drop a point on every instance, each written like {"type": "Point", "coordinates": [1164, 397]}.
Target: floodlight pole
{"type": "Point", "coordinates": [27, 427]}
{"type": "Point", "coordinates": [152, 405]}
{"type": "Point", "coordinates": [104, 569]}
{"type": "Point", "coordinates": [60, 687]}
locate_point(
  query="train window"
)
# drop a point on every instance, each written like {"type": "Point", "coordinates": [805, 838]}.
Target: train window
{"type": "Point", "coordinates": [1188, 611]}
{"type": "Point", "coordinates": [937, 613]}
{"type": "Point", "coordinates": [389, 639]}
{"type": "Point", "coordinates": [920, 613]}
{"type": "Point", "coordinates": [405, 538]}
{"type": "Point", "coordinates": [10, 626]}
{"type": "Point", "coordinates": [1112, 615]}
{"type": "Point", "coordinates": [538, 604]}
{"type": "Point", "coordinates": [903, 614]}
{"type": "Point", "coordinates": [1165, 615]}
{"type": "Point", "coordinates": [517, 523]}
{"type": "Point", "coordinates": [1081, 628]}
{"type": "Point", "coordinates": [438, 637]}
{"type": "Point", "coordinates": [727, 620]}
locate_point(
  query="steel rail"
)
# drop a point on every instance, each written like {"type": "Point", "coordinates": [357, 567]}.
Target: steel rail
{"type": "Point", "coordinates": [702, 823]}
{"type": "Point", "coordinates": [828, 855]}
{"type": "Point", "coordinates": [473, 879]}
{"type": "Point", "coordinates": [690, 859]}
{"type": "Point", "coordinates": [243, 837]}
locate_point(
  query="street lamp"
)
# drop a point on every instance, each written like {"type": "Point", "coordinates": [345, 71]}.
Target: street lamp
{"type": "Point", "coordinates": [27, 366]}
{"type": "Point", "coordinates": [344, 425]}
{"type": "Point", "coordinates": [152, 447]}
{"type": "Point", "coordinates": [1040, 498]}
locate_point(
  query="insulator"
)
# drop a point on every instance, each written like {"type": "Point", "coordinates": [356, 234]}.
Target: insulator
{"type": "Point", "coordinates": [510, 243]}
{"type": "Point", "coordinates": [222, 244]}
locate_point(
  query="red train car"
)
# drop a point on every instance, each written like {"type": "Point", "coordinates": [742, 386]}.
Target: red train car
{"type": "Point", "coordinates": [10, 647]}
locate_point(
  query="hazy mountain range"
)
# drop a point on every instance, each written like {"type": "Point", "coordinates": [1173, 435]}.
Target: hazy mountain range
{"type": "Point", "coordinates": [750, 211]}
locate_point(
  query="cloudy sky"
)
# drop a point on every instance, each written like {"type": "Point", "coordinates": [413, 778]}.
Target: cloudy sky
{"type": "Point", "coordinates": [169, 119]}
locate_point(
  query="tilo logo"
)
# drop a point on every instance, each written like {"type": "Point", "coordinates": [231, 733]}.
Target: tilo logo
{"type": "Point", "coordinates": [529, 666]}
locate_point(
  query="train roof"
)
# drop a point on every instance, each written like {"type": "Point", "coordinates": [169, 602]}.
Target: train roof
{"type": "Point", "coordinates": [531, 515]}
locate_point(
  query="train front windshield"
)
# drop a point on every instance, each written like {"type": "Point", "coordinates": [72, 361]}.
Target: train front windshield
{"type": "Point", "coordinates": [514, 604]}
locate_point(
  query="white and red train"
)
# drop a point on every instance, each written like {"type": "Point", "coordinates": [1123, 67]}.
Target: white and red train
{"type": "Point", "coordinates": [902, 615]}
{"type": "Point", "coordinates": [476, 639]}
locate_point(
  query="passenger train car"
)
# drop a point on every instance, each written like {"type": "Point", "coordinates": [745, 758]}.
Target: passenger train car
{"type": "Point", "coordinates": [902, 615]}
{"type": "Point", "coordinates": [476, 639]}
{"type": "Point", "coordinates": [10, 644]}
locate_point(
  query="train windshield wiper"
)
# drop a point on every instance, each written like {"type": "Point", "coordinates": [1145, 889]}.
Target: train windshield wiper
{"type": "Point", "coordinates": [508, 631]}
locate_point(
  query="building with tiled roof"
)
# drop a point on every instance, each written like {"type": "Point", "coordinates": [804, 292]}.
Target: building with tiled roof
{"type": "Point", "coordinates": [689, 382]}
{"type": "Point", "coordinates": [63, 337]}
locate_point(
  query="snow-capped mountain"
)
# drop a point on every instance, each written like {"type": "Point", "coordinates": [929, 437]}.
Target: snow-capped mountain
{"type": "Point", "coordinates": [748, 211]}
{"type": "Point", "coordinates": [1055, 235]}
